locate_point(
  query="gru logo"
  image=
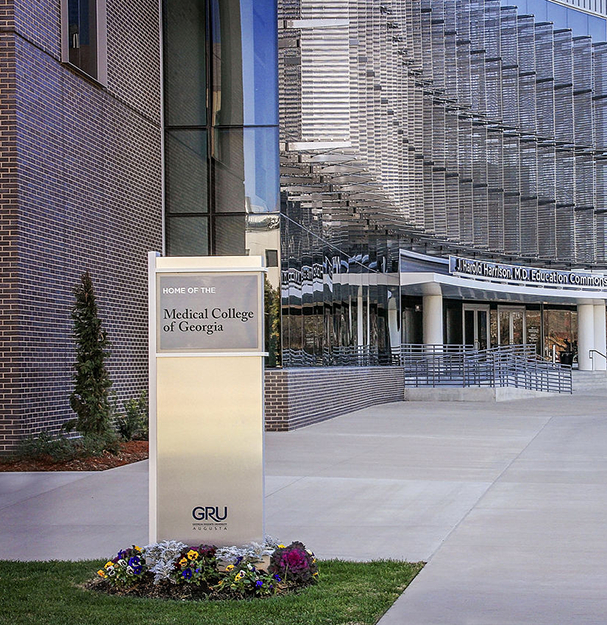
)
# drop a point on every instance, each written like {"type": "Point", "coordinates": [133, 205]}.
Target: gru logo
{"type": "Point", "coordinates": [209, 513]}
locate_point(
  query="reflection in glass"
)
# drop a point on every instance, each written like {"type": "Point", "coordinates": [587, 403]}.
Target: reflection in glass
{"type": "Point", "coordinates": [229, 235]}
{"type": "Point", "coordinates": [246, 170]}
{"type": "Point", "coordinates": [511, 326]}
{"type": "Point", "coordinates": [188, 236]}
{"type": "Point", "coordinates": [82, 29]}
{"type": "Point", "coordinates": [560, 327]}
{"type": "Point", "coordinates": [534, 330]}
{"type": "Point", "coordinates": [184, 62]}
{"type": "Point", "coordinates": [245, 52]}
{"type": "Point", "coordinates": [186, 171]}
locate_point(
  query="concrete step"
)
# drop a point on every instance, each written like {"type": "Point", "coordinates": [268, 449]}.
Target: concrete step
{"type": "Point", "coordinates": [588, 382]}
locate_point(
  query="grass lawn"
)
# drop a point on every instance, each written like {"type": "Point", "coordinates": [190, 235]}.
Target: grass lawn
{"type": "Point", "coordinates": [48, 593]}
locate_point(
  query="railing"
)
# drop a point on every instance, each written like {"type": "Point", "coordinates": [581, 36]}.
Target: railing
{"type": "Point", "coordinates": [515, 366]}
{"type": "Point", "coordinates": [448, 365]}
{"type": "Point", "coordinates": [591, 355]}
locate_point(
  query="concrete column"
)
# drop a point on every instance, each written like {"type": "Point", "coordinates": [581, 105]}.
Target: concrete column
{"type": "Point", "coordinates": [585, 334]}
{"type": "Point", "coordinates": [360, 332]}
{"type": "Point", "coordinates": [393, 320]}
{"type": "Point", "coordinates": [600, 335]}
{"type": "Point", "coordinates": [433, 314]}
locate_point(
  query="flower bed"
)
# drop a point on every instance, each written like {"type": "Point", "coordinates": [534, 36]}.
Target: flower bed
{"type": "Point", "coordinates": [173, 570]}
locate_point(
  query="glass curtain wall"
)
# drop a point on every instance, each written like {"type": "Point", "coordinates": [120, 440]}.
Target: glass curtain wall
{"type": "Point", "coordinates": [221, 136]}
{"type": "Point", "coordinates": [221, 128]}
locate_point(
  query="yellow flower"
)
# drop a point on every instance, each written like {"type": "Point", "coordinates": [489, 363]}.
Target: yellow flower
{"type": "Point", "coordinates": [101, 573]}
{"type": "Point", "coordinates": [183, 561]}
{"type": "Point", "coordinates": [281, 546]}
{"type": "Point", "coordinates": [108, 564]}
{"type": "Point", "coordinates": [240, 575]}
{"type": "Point", "coordinates": [192, 555]}
{"type": "Point", "coordinates": [137, 548]}
{"type": "Point", "coordinates": [220, 583]}
{"type": "Point", "coordinates": [229, 567]}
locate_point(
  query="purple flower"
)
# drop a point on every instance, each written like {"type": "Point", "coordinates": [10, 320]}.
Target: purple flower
{"type": "Point", "coordinates": [137, 570]}
{"type": "Point", "coordinates": [187, 574]}
{"type": "Point", "coordinates": [134, 561]}
{"type": "Point", "coordinates": [238, 560]}
{"type": "Point", "coordinates": [259, 583]}
{"type": "Point", "coordinates": [294, 559]}
{"type": "Point", "coordinates": [277, 578]}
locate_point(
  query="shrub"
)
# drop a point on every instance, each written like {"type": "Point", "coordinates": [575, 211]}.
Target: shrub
{"type": "Point", "coordinates": [58, 448]}
{"type": "Point", "coordinates": [134, 423]}
{"type": "Point", "coordinates": [90, 398]}
{"type": "Point", "coordinates": [294, 563]}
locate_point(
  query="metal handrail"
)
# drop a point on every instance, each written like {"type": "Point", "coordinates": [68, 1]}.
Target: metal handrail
{"type": "Point", "coordinates": [595, 351]}
{"type": "Point", "coordinates": [462, 365]}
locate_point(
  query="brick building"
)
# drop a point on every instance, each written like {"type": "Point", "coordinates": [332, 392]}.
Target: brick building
{"type": "Point", "coordinates": [80, 189]}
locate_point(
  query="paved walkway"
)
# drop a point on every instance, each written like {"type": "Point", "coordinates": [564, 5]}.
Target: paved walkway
{"type": "Point", "coordinates": [507, 502]}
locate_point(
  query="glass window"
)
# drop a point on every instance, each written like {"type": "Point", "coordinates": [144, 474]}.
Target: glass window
{"type": "Point", "coordinates": [539, 8]}
{"type": "Point", "coordinates": [597, 28]}
{"type": "Point", "coordinates": [246, 170]}
{"type": "Point", "coordinates": [186, 171]}
{"type": "Point", "coordinates": [578, 22]}
{"type": "Point", "coordinates": [188, 236]}
{"type": "Point", "coordinates": [557, 15]}
{"type": "Point", "coordinates": [82, 25]}
{"type": "Point", "coordinates": [245, 51]}
{"type": "Point", "coordinates": [185, 62]}
{"type": "Point", "coordinates": [229, 235]}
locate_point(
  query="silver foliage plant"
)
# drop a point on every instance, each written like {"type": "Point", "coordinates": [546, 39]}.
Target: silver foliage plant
{"type": "Point", "coordinates": [251, 552]}
{"type": "Point", "coordinates": [161, 557]}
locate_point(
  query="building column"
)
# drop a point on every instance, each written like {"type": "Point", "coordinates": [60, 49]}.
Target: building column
{"type": "Point", "coordinates": [433, 314]}
{"type": "Point", "coordinates": [600, 335]}
{"type": "Point", "coordinates": [360, 331]}
{"type": "Point", "coordinates": [585, 334]}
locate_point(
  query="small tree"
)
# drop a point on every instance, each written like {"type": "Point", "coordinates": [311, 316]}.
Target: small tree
{"type": "Point", "coordinates": [90, 399]}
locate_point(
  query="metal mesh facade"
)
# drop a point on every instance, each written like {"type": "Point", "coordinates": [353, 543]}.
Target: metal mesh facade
{"type": "Point", "coordinates": [464, 124]}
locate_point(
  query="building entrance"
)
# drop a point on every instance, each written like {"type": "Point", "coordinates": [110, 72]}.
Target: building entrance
{"type": "Point", "coordinates": [511, 325]}
{"type": "Point", "coordinates": [476, 325]}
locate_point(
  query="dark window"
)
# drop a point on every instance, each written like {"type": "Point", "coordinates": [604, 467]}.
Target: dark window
{"type": "Point", "coordinates": [82, 32]}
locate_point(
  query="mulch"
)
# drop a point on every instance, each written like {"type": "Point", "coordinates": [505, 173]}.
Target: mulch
{"type": "Point", "coordinates": [131, 451]}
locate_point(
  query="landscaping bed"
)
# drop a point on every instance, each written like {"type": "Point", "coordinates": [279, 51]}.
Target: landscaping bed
{"type": "Point", "coordinates": [128, 452]}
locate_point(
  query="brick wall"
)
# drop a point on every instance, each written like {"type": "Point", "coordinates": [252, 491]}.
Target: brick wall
{"type": "Point", "coordinates": [295, 398]}
{"type": "Point", "coordinates": [88, 196]}
{"type": "Point", "coordinates": [10, 407]}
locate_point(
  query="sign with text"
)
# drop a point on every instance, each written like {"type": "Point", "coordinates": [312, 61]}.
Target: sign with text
{"type": "Point", "coordinates": [531, 275]}
{"type": "Point", "coordinates": [206, 399]}
{"type": "Point", "coordinates": [208, 312]}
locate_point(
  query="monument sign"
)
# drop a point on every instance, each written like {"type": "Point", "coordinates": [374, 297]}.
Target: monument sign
{"type": "Point", "coordinates": [206, 399]}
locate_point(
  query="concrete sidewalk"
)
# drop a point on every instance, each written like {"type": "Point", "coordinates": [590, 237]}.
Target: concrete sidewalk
{"type": "Point", "coordinates": [505, 501]}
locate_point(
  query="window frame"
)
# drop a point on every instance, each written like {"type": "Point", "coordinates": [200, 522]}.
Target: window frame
{"type": "Point", "coordinates": [101, 36]}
